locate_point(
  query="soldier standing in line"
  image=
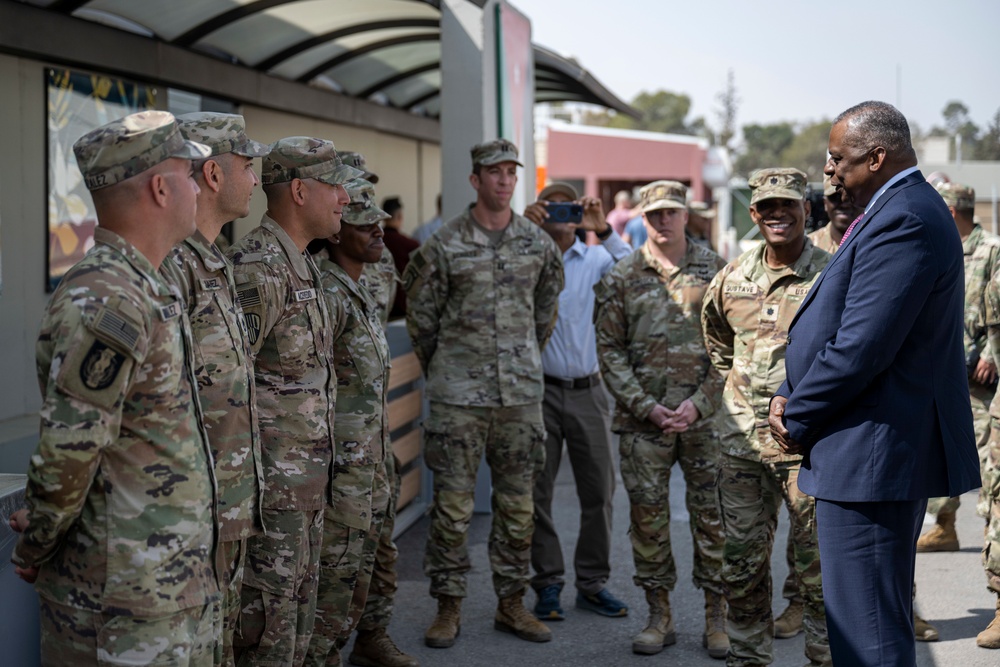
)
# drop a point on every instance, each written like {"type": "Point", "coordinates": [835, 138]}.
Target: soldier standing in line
{"type": "Point", "coordinates": [653, 360]}
{"type": "Point", "coordinates": [204, 277]}
{"type": "Point", "coordinates": [982, 258]}
{"type": "Point", "coordinates": [373, 646]}
{"type": "Point", "coordinates": [747, 311]}
{"type": "Point", "coordinates": [119, 530]}
{"type": "Point", "coordinates": [353, 524]}
{"type": "Point", "coordinates": [288, 327]}
{"type": "Point", "coordinates": [990, 637]}
{"type": "Point", "coordinates": [483, 293]}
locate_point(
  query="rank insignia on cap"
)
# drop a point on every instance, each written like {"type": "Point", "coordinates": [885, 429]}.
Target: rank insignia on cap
{"type": "Point", "coordinates": [100, 367]}
{"type": "Point", "coordinates": [774, 180]}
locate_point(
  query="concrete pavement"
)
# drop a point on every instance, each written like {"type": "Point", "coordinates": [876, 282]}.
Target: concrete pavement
{"type": "Point", "coordinates": [951, 594]}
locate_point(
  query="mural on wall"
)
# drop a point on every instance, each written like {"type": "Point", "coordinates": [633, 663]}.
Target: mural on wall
{"type": "Point", "coordinates": [77, 103]}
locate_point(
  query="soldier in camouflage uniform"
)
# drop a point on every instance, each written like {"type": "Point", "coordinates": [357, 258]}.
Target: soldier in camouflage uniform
{"type": "Point", "coordinates": [353, 523]}
{"type": "Point", "coordinates": [288, 327]}
{"type": "Point", "coordinates": [374, 646]}
{"type": "Point", "coordinates": [119, 529]}
{"type": "Point", "coordinates": [840, 213]}
{"type": "Point", "coordinates": [982, 258]}
{"type": "Point", "coordinates": [649, 343]}
{"type": "Point", "coordinates": [203, 275]}
{"type": "Point", "coordinates": [990, 637]}
{"type": "Point", "coordinates": [747, 311]}
{"type": "Point", "coordinates": [483, 293]}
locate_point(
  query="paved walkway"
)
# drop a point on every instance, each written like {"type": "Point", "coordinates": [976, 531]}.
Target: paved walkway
{"type": "Point", "coordinates": [951, 593]}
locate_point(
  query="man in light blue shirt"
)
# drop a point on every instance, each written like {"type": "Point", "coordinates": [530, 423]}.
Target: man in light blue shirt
{"type": "Point", "coordinates": [635, 232]}
{"type": "Point", "coordinates": [576, 411]}
{"type": "Point", "coordinates": [424, 231]}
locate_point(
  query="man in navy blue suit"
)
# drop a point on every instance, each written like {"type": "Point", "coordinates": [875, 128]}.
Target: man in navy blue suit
{"type": "Point", "coordinates": [876, 396]}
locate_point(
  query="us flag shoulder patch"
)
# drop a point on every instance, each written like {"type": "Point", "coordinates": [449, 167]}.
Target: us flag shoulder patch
{"type": "Point", "coordinates": [248, 296]}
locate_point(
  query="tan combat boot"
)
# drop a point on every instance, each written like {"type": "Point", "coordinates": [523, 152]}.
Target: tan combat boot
{"type": "Point", "coordinates": [513, 617]}
{"type": "Point", "coordinates": [715, 638]}
{"type": "Point", "coordinates": [924, 631]}
{"type": "Point", "coordinates": [659, 630]}
{"type": "Point", "coordinates": [942, 537]}
{"type": "Point", "coordinates": [375, 648]}
{"type": "Point", "coordinates": [446, 624]}
{"type": "Point", "coordinates": [990, 637]}
{"type": "Point", "coordinates": [789, 623]}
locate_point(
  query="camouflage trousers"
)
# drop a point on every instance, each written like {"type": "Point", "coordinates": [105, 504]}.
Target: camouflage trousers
{"type": "Point", "coordinates": [646, 460]}
{"type": "Point", "coordinates": [750, 496]}
{"type": "Point", "coordinates": [278, 601]}
{"type": "Point", "coordinates": [981, 397]}
{"type": "Point", "coordinates": [991, 485]}
{"type": "Point", "coordinates": [80, 638]}
{"type": "Point", "coordinates": [455, 440]}
{"type": "Point", "coordinates": [230, 559]}
{"type": "Point", "coordinates": [351, 529]}
{"type": "Point", "coordinates": [382, 590]}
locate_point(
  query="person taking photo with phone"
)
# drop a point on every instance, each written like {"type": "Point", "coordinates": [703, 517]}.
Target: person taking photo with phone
{"type": "Point", "coordinates": [576, 410]}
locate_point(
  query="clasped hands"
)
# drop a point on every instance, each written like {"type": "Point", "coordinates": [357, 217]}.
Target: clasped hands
{"type": "Point", "coordinates": [778, 430]}
{"type": "Point", "coordinates": [674, 421]}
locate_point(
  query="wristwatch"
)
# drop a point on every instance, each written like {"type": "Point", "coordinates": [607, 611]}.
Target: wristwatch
{"type": "Point", "coordinates": [606, 234]}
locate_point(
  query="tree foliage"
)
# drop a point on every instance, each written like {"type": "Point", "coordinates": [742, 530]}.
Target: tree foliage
{"type": "Point", "coordinates": [729, 104]}
{"type": "Point", "coordinates": [662, 111]}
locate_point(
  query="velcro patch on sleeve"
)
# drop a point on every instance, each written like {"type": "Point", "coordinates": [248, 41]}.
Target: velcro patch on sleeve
{"type": "Point", "coordinates": [248, 296]}
{"type": "Point", "coordinates": [112, 325]}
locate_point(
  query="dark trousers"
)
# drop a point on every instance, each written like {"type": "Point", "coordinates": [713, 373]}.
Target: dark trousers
{"type": "Point", "coordinates": [581, 418]}
{"type": "Point", "coordinates": [867, 551]}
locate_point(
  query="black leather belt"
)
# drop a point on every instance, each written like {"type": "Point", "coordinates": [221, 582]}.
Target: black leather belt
{"type": "Point", "coordinates": [575, 383]}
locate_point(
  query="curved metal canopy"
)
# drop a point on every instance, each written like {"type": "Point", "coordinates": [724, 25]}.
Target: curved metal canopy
{"type": "Point", "coordinates": [386, 50]}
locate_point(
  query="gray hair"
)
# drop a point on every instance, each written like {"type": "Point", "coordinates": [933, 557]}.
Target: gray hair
{"type": "Point", "coordinates": [878, 124]}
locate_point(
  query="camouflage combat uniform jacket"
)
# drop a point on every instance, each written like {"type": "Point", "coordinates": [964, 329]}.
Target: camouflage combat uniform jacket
{"type": "Point", "coordinates": [381, 279]}
{"type": "Point", "coordinates": [224, 373]}
{"type": "Point", "coordinates": [479, 315]}
{"type": "Point", "coordinates": [982, 258]}
{"type": "Point", "coordinates": [121, 489]}
{"type": "Point", "coordinates": [649, 340]}
{"type": "Point", "coordinates": [288, 328]}
{"type": "Point", "coordinates": [822, 239]}
{"type": "Point", "coordinates": [745, 319]}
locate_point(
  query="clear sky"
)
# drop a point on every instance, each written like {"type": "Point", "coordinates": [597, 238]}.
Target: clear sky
{"type": "Point", "coordinates": [793, 60]}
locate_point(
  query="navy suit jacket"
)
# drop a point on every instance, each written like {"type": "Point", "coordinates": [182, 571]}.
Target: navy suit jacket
{"type": "Point", "coordinates": [876, 383]}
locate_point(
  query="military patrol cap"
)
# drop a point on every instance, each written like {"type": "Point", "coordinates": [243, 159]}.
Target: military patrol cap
{"type": "Point", "coordinates": [306, 157]}
{"type": "Point", "coordinates": [775, 183]}
{"type": "Point", "coordinates": [494, 152]}
{"type": "Point", "coordinates": [357, 160]}
{"type": "Point", "coordinates": [221, 132]}
{"type": "Point", "coordinates": [129, 146]}
{"type": "Point", "coordinates": [828, 187]}
{"type": "Point", "coordinates": [702, 209]}
{"type": "Point", "coordinates": [662, 194]}
{"type": "Point", "coordinates": [362, 210]}
{"type": "Point", "coordinates": [561, 188]}
{"type": "Point", "coordinates": [961, 197]}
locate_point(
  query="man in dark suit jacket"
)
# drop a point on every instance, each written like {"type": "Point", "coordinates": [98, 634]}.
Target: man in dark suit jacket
{"type": "Point", "coordinates": [876, 396]}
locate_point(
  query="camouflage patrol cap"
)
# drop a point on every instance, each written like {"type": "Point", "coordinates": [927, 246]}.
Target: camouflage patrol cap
{"type": "Point", "coordinates": [362, 210]}
{"type": "Point", "coordinates": [701, 209]}
{"type": "Point", "coordinates": [221, 132]}
{"type": "Point", "coordinates": [357, 160]}
{"type": "Point", "coordinates": [777, 183]}
{"type": "Point", "coordinates": [494, 152]}
{"type": "Point", "coordinates": [306, 157]}
{"type": "Point", "coordinates": [129, 146]}
{"type": "Point", "coordinates": [662, 194]}
{"type": "Point", "coordinates": [828, 187]}
{"type": "Point", "coordinates": [961, 197]}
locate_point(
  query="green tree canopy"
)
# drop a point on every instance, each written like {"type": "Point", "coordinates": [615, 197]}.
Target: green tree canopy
{"type": "Point", "coordinates": [662, 111]}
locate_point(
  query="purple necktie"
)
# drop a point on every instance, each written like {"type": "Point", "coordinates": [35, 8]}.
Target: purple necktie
{"type": "Point", "coordinates": [850, 229]}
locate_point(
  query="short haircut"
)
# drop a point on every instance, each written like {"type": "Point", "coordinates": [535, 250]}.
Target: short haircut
{"type": "Point", "coordinates": [391, 204]}
{"type": "Point", "coordinates": [878, 124]}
